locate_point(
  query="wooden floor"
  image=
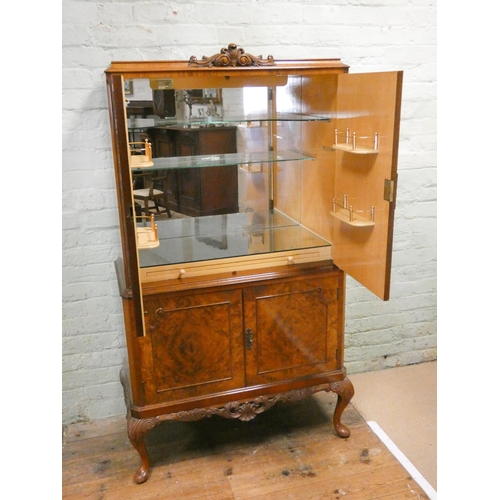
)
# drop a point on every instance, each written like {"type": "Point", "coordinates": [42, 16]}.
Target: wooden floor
{"type": "Point", "coordinates": [289, 452]}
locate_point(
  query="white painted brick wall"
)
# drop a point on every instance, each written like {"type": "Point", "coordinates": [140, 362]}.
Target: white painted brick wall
{"type": "Point", "coordinates": [369, 36]}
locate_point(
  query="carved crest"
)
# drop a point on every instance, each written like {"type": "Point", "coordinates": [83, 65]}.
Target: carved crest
{"type": "Point", "coordinates": [232, 56]}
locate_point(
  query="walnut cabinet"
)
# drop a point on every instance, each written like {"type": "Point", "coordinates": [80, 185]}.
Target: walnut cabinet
{"type": "Point", "coordinates": [230, 312]}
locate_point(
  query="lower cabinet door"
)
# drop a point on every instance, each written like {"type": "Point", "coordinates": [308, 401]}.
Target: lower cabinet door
{"type": "Point", "coordinates": [192, 345]}
{"type": "Point", "coordinates": [201, 343]}
{"type": "Point", "coordinates": [291, 330]}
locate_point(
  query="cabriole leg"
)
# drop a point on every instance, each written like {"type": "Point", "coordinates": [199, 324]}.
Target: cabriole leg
{"type": "Point", "coordinates": [345, 391]}
{"type": "Point", "coordinates": [137, 429]}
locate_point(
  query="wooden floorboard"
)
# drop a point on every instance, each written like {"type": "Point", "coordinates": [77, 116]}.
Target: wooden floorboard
{"type": "Point", "coordinates": [289, 452]}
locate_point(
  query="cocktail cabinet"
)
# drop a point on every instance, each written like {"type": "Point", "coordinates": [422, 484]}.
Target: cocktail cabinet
{"type": "Point", "coordinates": [269, 181]}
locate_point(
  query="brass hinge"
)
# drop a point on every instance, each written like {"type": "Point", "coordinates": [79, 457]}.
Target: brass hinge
{"type": "Point", "coordinates": [388, 190]}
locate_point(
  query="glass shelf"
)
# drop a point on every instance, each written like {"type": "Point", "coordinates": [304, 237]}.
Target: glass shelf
{"type": "Point", "coordinates": [198, 239]}
{"type": "Point", "coordinates": [199, 122]}
{"type": "Point", "coordinates": [220, 160]}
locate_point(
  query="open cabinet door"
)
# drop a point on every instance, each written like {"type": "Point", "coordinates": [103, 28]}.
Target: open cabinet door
{"type": "Point", "coordinates": [368, 115]}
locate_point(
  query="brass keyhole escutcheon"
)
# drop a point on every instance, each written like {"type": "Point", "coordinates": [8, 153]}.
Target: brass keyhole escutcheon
{"type": "Point", "coordinates": [249, 339]}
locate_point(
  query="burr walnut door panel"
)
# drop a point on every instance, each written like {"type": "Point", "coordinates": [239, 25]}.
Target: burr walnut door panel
{"type": "Point", "coordinates": [291, 330]}
{"type": "Point", "coordinates": [193, 345]}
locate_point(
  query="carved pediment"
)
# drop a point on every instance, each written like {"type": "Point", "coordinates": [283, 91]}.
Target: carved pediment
{"type": "Point", "coordinates": [232, 56]}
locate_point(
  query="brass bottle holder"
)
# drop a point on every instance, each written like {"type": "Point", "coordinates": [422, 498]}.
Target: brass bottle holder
{"type": "Point", "coordinates": [348, 215]}
{"type": "Point", "coordinates": [352, 142]}
{"type": "Point", "coordinates": [147, 237]}
{"type": "Point", "coordinates": [141, 154]}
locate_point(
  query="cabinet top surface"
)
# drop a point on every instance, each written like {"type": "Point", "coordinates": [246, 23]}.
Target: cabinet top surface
{"type": "Point", "coordinates": [183, 68]}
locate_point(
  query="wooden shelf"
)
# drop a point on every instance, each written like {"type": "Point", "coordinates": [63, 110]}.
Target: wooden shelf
{"type": "Point", "coordinates": [348, 148]}
{"type": "Point", "coordinates": [140, 161]}
{"type": "Point", "coordinates": [147, 237]}
{"type": "Point", "coordinates": [355, 143]}
{"type": "Point", "coordinates": [141, 154]}
{"type": "Point", "coordinates": [357, 220]}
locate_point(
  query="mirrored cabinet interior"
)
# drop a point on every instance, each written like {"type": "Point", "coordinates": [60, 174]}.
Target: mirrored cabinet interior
{"type": "Point", "coordinates": [247, 187]}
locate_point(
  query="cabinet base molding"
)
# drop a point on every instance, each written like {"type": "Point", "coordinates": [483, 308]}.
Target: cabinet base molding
{"type": "Point", "coordinates": [244, 410]}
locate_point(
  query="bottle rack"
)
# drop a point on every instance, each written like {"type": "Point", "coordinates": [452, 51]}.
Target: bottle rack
{"type": "Point", "coordinates": [354, 143]}
{"type": "Point", "coordinates": [147, 237]}
{"type": "Point", "coordinates": [141, 154]}
{"type": "Point", "coordinates": [346, 214]}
